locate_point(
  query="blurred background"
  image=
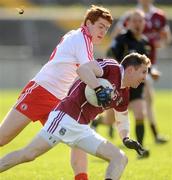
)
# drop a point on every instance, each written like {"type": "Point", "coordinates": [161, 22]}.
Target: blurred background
{"type": "Point", "coordinates": [27, 40]}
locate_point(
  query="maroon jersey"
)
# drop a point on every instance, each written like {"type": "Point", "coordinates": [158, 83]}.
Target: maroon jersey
{"type": "Point", "coordinates": [155, 22]}
{"type": "Point", "coordinates": [76, 105]}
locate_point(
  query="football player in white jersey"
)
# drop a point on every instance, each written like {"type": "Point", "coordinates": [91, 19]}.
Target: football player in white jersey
{"type": "Point", "coordinates": [70, 58]}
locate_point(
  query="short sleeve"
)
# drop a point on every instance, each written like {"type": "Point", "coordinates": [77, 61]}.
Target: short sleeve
{"type": "Point", "coordinates": [125, 102]}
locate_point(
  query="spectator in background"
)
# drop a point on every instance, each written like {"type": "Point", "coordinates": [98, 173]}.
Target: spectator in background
{"type": "Point", "coordinates": [158, 33]}
{"type": "Point", "coordinates": [71, 57]}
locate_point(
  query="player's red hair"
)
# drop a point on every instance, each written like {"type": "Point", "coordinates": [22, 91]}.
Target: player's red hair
{"type": "Point", "coordinates": [95, 12]}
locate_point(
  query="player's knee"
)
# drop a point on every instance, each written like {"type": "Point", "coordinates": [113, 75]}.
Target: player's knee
{"type": "Point", "coordinates": [140, 117]}
{"type": "Point", "coordinates": [149, 99]}
{"type": "Point", "coordinates": [140, 114]}
{"type": "Point", "coordinates": [123, 159]}
{"type": "Point", "coordinates": [120, 159]}
{"type": "Point", "coordinates": [28, 155]}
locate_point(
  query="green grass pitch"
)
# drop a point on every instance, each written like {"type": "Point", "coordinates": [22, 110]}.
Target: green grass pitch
{"type": "Point", "coordinates": [56, 163]}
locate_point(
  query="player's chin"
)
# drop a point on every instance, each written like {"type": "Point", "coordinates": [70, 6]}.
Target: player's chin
{"type": "Point", "coordinates": [98, 41]}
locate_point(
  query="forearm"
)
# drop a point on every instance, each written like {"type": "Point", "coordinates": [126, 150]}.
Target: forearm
{"type": "Point", "coordinates": [123, 128]}
{"type": "Point", "coordinates": [122, 124]}
{"type": "Point", "coordinates": [89, 72]}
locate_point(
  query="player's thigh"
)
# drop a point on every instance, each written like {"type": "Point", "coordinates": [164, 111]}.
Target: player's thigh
{"type": "Point", "coordinates": [109, 117]}
{"type": "Point", "coordinates": [138, 107]}
{"type": "Point", "coordinates": [98, 146]}
{"type": "Point", "coordinates": [89, 143]}
{"type": "Point", "coordinates": [12, 124]}
{"type": "Point", "coordinates": [36, 147]}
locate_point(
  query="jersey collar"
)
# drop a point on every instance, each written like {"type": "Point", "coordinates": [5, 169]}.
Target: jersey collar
{"type": "Point", "coordinates": [84, 30]}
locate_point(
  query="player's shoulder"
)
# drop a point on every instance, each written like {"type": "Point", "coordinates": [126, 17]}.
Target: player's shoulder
{"type": "Point", "coordinates": [159, 13]}
{"type": "Point", "coordinates": [75, 36]}
{"type": "Point", "coordinates": [108, 63]}
{"type": "Point", "coordinates": [74, 33]}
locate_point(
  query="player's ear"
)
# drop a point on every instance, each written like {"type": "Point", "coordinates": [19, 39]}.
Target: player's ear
{"type": "Point", "coordinates": [130, 69]}
{"type": "Point", "coordinates": [88, 22]}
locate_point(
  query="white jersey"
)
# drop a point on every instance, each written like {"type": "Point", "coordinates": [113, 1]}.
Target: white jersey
{"type": "Point", "coordinates": [59, 72]}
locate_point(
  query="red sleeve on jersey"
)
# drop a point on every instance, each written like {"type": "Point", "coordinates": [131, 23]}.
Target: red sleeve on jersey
{"type": "Point", "coordinates": [124, 101]}
{"type": "Point", "coordinates": [159, 20]}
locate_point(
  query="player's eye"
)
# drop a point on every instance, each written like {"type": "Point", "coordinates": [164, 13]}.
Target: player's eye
{"type": "Point", "coordinates": [101, 27]}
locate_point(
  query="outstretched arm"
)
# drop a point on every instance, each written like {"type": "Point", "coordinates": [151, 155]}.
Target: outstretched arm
{"type": "Point", "coordinates": [123, 129]}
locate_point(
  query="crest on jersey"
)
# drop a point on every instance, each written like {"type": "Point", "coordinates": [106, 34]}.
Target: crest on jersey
{"type": "Point", "coordinates": [119, 101]}
{"type": "Point", "coordinates": [23, 107]}
{"type": "Point", "coordinates": [62, 131]}
{"type": "Point", "coordinates": [117, 97]}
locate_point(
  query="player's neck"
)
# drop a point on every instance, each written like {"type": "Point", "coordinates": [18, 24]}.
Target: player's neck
{"type": "Point", "coordinates": [146, 8]}
{"type": "Point", "coordinates": [138, 37]}
{"type": "Point", "coordinates": [124, 82]}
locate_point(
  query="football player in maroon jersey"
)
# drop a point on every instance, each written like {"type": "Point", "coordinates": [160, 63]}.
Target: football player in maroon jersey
{"type": "Point", "coordinates": [68, 122]}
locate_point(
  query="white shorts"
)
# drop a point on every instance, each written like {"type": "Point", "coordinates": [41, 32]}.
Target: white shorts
{"type": "Point", "coordinates": [60, 127]}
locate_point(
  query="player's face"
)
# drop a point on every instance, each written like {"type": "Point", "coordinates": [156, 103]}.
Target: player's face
{"type": "Point", "coordinates": [136, 24]}
{"type": "Point", "coordinates": [98, 30]}
{"type": "Point", "coordinates": [137, 75]}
